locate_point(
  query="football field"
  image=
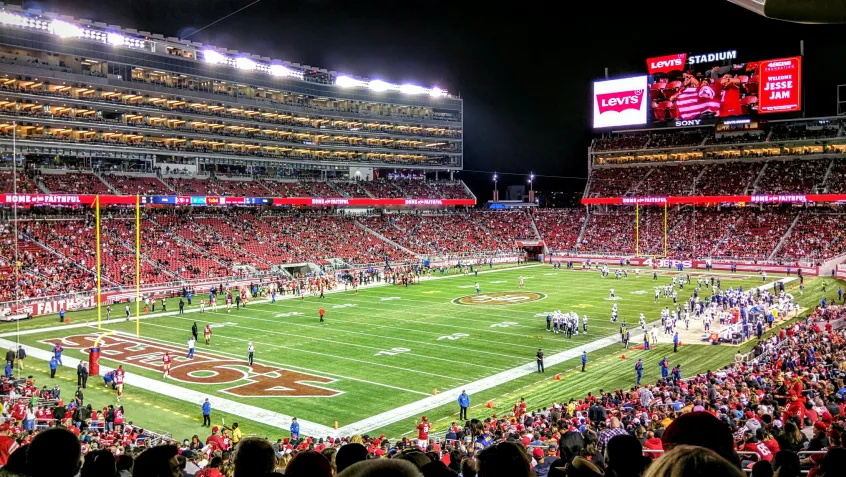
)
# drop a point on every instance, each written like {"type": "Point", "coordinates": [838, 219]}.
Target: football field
{"type": "Point", "coordinates": [383, 357]}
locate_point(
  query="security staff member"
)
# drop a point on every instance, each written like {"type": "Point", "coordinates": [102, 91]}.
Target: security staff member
{"type": "Point", "coordinates": [540, 360]}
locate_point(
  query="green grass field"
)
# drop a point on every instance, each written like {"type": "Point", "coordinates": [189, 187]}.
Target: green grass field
{"type": "Point", "coordinates": [382, 351]}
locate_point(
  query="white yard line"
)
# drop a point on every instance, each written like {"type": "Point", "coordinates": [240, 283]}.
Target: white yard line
{"type": "Point", "coordinates": [196, 398]}
{"type": "Point", "coordinates": [283, 365]}
{"type": "Point", "coordinates": [450, 395]}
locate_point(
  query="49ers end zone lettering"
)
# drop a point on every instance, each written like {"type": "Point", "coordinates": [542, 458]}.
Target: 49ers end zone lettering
{"type": "Point", "coordinates": [499, 298]}
{"type": "Point", "coordinates": [206, 368]}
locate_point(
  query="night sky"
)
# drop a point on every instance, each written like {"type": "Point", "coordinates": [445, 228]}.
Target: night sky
{"type": "Point", "coordinates": [524, 70]}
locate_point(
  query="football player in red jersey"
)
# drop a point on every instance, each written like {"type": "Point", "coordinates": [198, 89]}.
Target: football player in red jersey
{"type": "Point", "coordinates": [119, 373]}
{"type": "Point", "coordinates": [207, 331]}
{"type": "Point", "coordinates": [166, 364]}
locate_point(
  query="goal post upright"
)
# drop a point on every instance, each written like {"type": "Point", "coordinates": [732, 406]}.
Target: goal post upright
{"type": "Point", "coordinates": [637, 230]}
{"type": "Point", "coordinates": [137, 265]}
{"type": "Point", "coordinates": [99, 294]}
{"type": "Point", "coordinates": [665, 229]}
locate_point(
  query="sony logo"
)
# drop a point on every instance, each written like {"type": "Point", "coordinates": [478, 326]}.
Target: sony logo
{"type": "Point", "coordinates": [689, 122]}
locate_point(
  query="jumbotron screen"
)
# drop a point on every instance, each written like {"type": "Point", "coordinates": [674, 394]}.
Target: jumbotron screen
{"type": "Point", "coordinates": [687, 90]}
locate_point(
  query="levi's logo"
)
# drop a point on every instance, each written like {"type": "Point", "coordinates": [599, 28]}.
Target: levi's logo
{"type": "Point", "coordinates": [619, 101]}
{"type": "Point", "coordinates": [664, 64]}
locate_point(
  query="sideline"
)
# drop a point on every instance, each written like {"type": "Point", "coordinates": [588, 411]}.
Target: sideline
{"type": "Point", "coordinates": [90, 324]}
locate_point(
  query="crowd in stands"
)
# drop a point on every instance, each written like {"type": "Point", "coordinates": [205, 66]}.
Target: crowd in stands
{"type": "Point", "coordinates": [25, 184]}
{"type": "Point", "coordinates": [788, 177]}
{"type": "Point", "coordinates": [610, 232]}
{"type": "Point", "coordinates": [728, 178]}
{"type": "Point", "coordinates": [720, 178]}
{"type": "Point", "coordinates": [615, 181]}
{"type": "Point", "coordinates": [836, 183]}
{"type": "Point", "coordinates": [748, 137]}
{"type": "Point", "coordinates": [74, 183]}
{"type": "Point", "coordinates": [136, 185]}
{"type": "Point", "coordinates": [817, 236]}
{"type": "Point", "coordinates": [620, 142]}
{"type": "Point", "coordinates": [756, 233]}
{"type": "Point", "coordinates": [785, 131]}
{"type": "Point", "coordinates": [668, 180]}
{"type": "Point", "coordinates": [559, 228]}
{"type": "Point", "coordinates": [236, 186]}
{"type": "Point", "coordinates": [446, 234]}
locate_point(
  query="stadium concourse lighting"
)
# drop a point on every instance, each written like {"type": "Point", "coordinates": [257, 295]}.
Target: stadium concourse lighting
{"type": "Point", "coordinates": [412, 89]}
{"type": "Point", "coordinates": [212, 56]}
{"type": "Point", "coordinates": [115, 39]}
{"type": "Point", "coordinates": [347, 82]}
{"type": "Point", "coordinates": [379, 86]}
{"type": "Point", "coordinates": [65, 29]}
{"type": "Point", "coordinates": [245, 63]}
{"type": "Point", "coordinates": [279, 70]}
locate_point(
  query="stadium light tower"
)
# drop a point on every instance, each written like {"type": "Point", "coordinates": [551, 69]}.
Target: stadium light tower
{"type": "Point", "coordinates": [806, 11]}
{"type": "Point", "coordinates": [496, 189]}
{"type": "Point", "coordinates": [531, 187]}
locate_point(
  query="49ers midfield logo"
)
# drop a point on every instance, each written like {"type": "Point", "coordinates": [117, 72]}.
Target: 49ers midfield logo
{"type": "Point", "coordinates": [499, 298]}
{"type": "Point", "coordinates": [619, 101]}
{"type": "Point", "coordinates": [257, 380]}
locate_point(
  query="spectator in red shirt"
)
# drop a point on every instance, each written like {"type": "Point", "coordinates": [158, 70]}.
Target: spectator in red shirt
{"type": "Point", "coordinates": [216, 441]}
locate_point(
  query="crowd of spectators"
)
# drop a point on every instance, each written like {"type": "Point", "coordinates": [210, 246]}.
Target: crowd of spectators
{"type": "Point", "coordinates": [755, 234]}
{"type": "Point", "coordinates": [74, 183]}
{"type": "Point", "coordinates": [135, 184]}
{"type": "Point", "coordinates": [559, 228]}
{"type": "Point", "coordinates": [615, 181]}
{"type": "Point", "coordinates": [790, 177]}
{"type": "Point", "coordinates": [728, 178]}
{"type": "Point", "coordinates": [786, 131]}
{"type": "Point", "coordinates": [25, 184]}
{"type": "Point", "coordinates": [817, 236]}
{"type": "Point", "coordinates": [670, 180]}
{"type": "Point", "coordinates": [612, 232]}
{"type": "Point", "coordinates": [620, 142]}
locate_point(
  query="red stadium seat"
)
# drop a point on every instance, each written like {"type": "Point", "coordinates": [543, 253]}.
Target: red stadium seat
{"type": "Point", "coordinates": [752, 85]}
{"type": "Point", "coordinates": [655, 92]}
{"type": "Point", "coordinates": [672, 88]}
{"type": "Point", "coordinates": [747, 103]}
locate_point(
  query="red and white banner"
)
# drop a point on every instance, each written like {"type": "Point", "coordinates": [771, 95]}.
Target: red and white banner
{"type": "Point", "coordinates": [345, 202]}
{"type": "Point", "coordinates": [716, 199]}
{"type": "Point", "coordinates": [780, 85]}
{"type": "Point", "coordinates": [665, 64]}
{"type": "Point", "coordinates": [28, 200]}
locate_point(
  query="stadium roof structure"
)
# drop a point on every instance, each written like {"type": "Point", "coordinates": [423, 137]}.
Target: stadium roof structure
{"type": "Point", "coordinates": [804, 11]}
{"type": "Point", "coordinates": [65, 26]}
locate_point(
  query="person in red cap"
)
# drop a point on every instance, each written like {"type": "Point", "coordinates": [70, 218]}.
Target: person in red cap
{"type": "Point", "coordinates": [423, 433]}
{"type": "Point", "coordinates": [216, 441]}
